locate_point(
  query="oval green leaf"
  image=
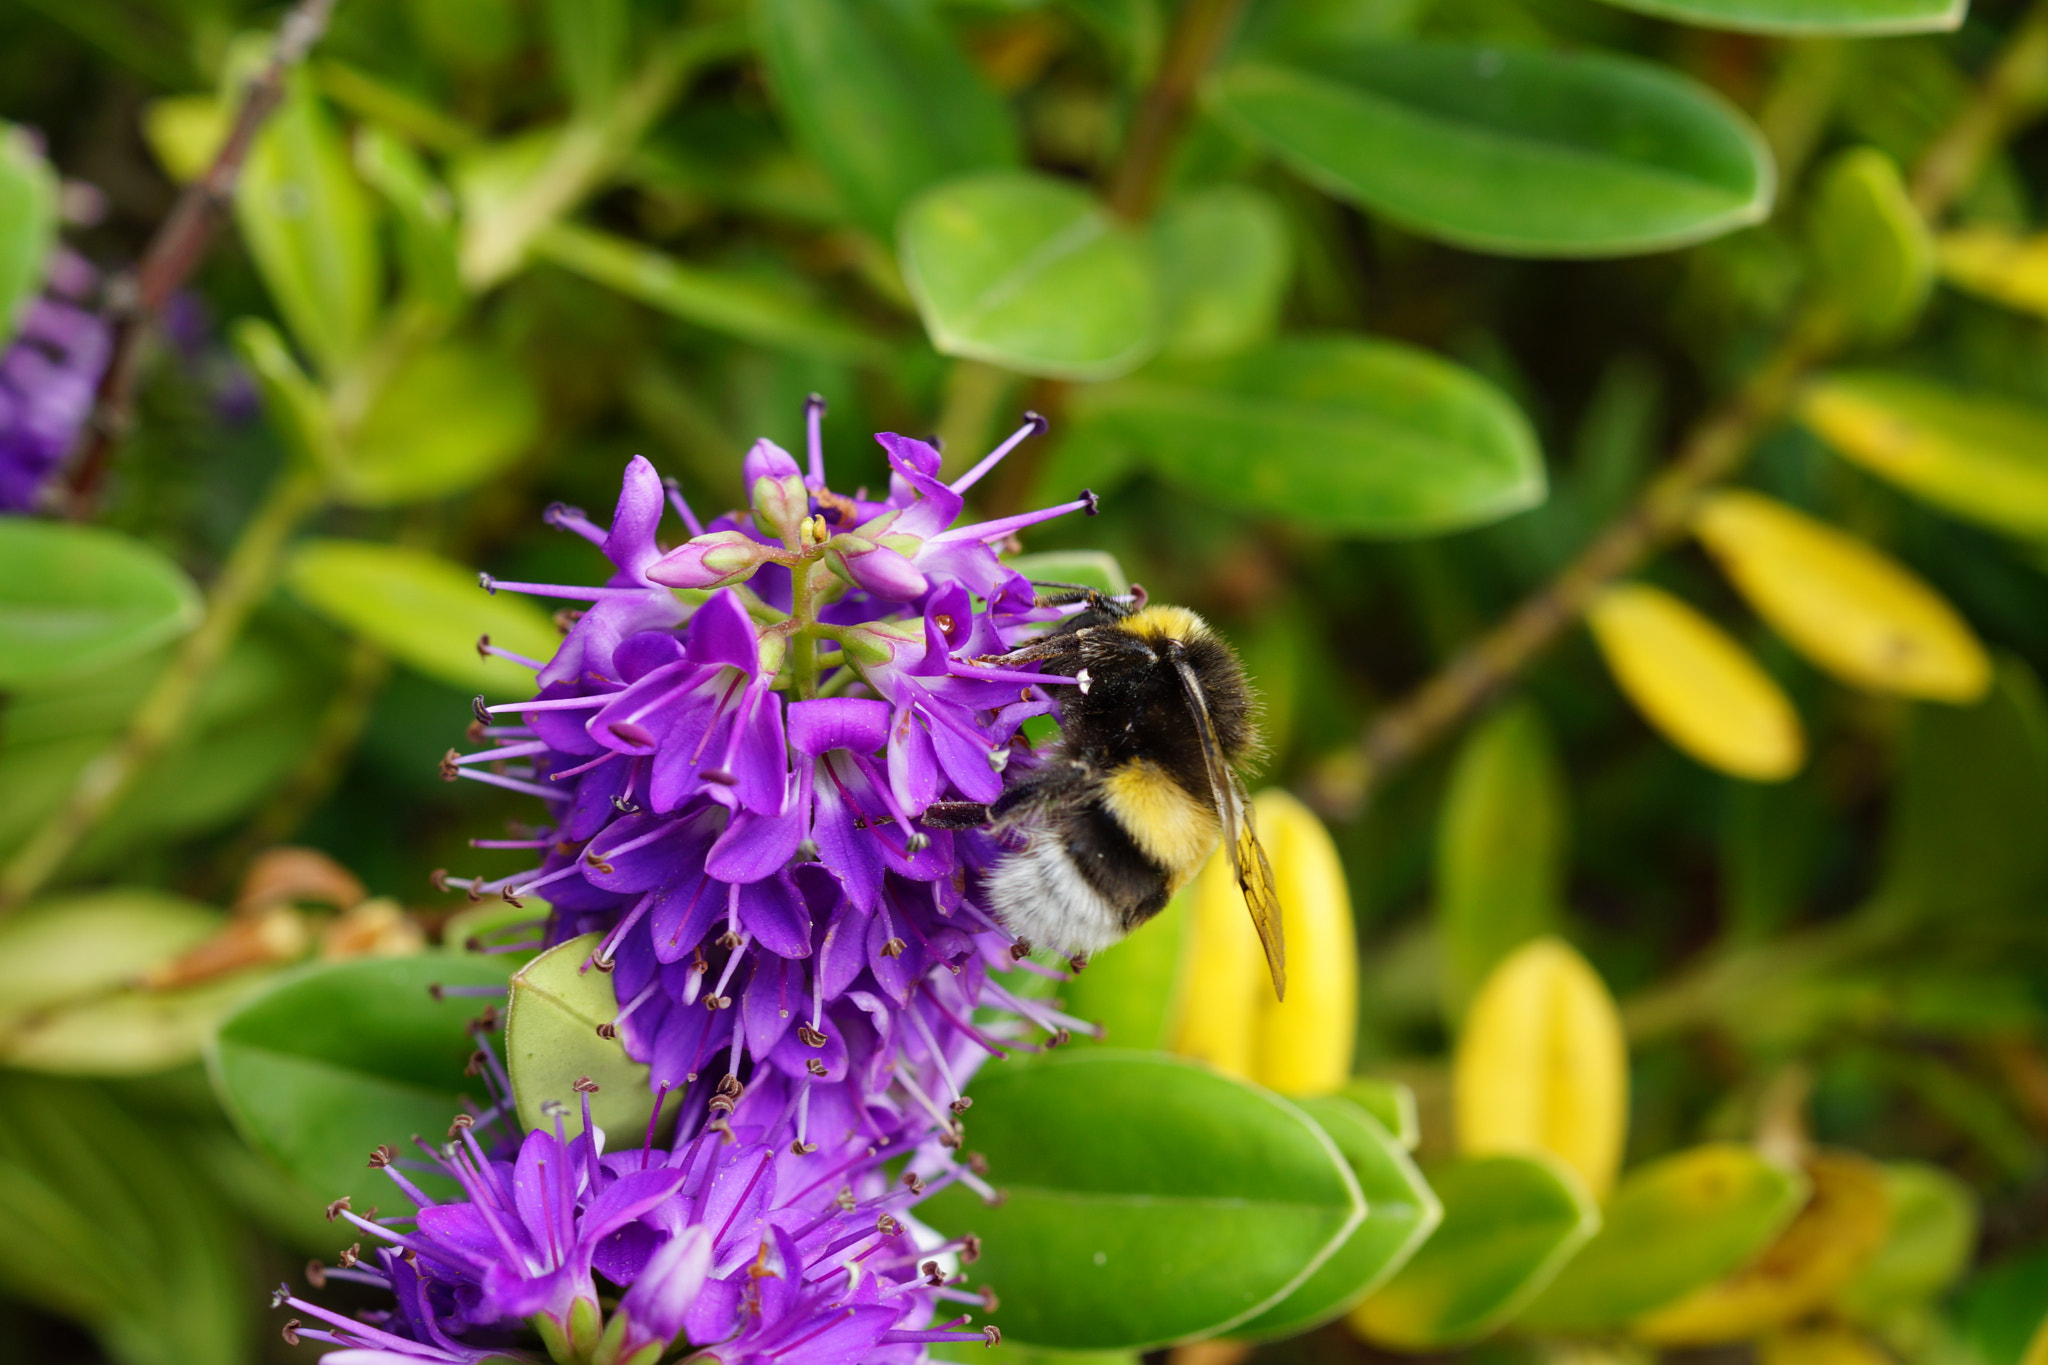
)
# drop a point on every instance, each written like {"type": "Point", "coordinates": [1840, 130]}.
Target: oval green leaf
{"type": "Point", "coordinates": [424, 610]}
{"type": "Point", "coordinates": [1401, 1213]}
{"type": "Point", "coordinates": [1147, 1199]}
{"type": "Point", "coordinates": [1032, 274]}
{"type": "Point", "coordinates": [337, 1058]}
{"type": "Point", "coordinates": [1972, 454]}
{"type": "Point", "coordinates": [551, 1043]}
{"type": "Point", "coordinates": [883, 97]}
{"type": "Point", "coordinates": [1510, 1223]}
{"type": "Point", "coordinates": [1931, 1241]}
{"type": "Point", "coordinates": [1224, 260]}
{"type": "Point", "coordinates": [76, 598]}
{"type": "Point", "coordinates": [449, 419]}
{"type": "Point", "coordinates": [1871, 246]}
{"type": "Point", "coordinates": [1515, 151]}
{"type": "Point", "coordinates": [1340, 434]}
{"type": "Point", "coordinates": [1672, 1226]}
{"type": "Point", "coordinates": [72, 948]}
{"type": "Point", "coordinates": [1391, 1104]}
{"type": "Point", "coordinates": [28, 223]}
{"type": "Point", "coordinates": [1815, 18]}
{"type": "Point", "coordinates": [1133, 989]}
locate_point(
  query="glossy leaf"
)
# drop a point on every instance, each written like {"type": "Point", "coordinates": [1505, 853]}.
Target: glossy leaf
{"type": "Point", "coordinates": [1337, 434]}
{"type": "Point", "coordinates": [1837, 1232]}
{"type": "Point", "coordinates": [1578, 154]}
{"type": "Point", "coordinates": [129, 1031]}
{"type": "Point", "coordinates": [1931, 1241]}
{"type": "Point", "coordinates": [1696, 685]}
{"type": "Point", "coordinates": [1401, 1213]}
{"type": "Point", "coordinates": [423, 610]}
{"type": "Point", "coordinates": [1542, 1066]}
{"type": "Point", "coordinates": [1815, 18]}
{"type": "Point", "coordinates": [1391, 1104]}
{"type": "Point", "coordinates": [1673, 1225]}
{"type": "Point", "coordinates": [28, 224]}
{"type": "Point", "coordinates": [1087, 568]}
{"type": "Point", "coordinates": [185, 132]}
{"type": "Point", "coordinates": [75, 947]}
{"type": "Point", "coordinates": [1824, 1344]}
{"type": "Point", "coordinates": [591, 41]}
{"type": "Point", "coordinates": [1224, 260]}
{"type": "Point", "coordinates": [1500, 848]}
{"type": "Point", "coordinates": [311, 228]}
{"type": "Point", "coordinates": [297, 407]}
{"type": "Point", "coordinates": [1147, 1200]}
{"type": "Point", "coordinates": [1862, 616]}
{"type": "Point", "coordinates": [1032, 274]}
{"type": "Point", "coordinates": [1228, 1016]}
{"type": "Point", "coordinates": [77, 598]}
{"type": "Point", "coordinates": [452, 417]}
{"type": "Point", "coordinates": [1996, 264]}
{"type": "Point", "coordinates": [336, 1058]}
{"type": "Point", "coordinates": [1872, 247]}
{"type": "Point", "coordinates": [1133, 989]}
{"type": "Point", "coordinates": [1509, 1224]}
{"type": "Point", "coordinates": [429, 248]}
{"type": "Point", "coordinates": [881, 96]}
{"type": "Point", "coordinates": [1970, 454]}
{"type": "Point", "coordinates": [551, 1043]}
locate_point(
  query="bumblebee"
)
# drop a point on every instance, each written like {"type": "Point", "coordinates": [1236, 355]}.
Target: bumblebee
{"type": "Point", "coordinates": [1141, 787]}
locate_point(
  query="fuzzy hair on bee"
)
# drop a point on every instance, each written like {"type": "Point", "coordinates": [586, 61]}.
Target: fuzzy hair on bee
{"type": "Point", "coordinates": [1141, 787]}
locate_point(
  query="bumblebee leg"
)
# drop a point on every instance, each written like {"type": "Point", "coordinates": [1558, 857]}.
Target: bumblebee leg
{"type": "Point", "coordinates": [955, 814]}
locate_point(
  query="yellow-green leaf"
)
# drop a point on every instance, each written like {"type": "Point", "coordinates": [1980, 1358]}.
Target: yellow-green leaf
{"type": "Point", "coordinates": [1855, 612]}
{"type": "Point", "coordinates": [1834, 1236]}
{"type": "Point", "coordinates": [1998, 265]}
{"type": "Point", "coordinates": [1967, 453]}
{"type": "Point", "coordinates": [454, 416]}
{"type": "Point", "coordinates": [1932, 1238]}
{"type": "Point", "coordinates": [551, 1043]}
{"type": "Point", "coordinates": [1871, 245]}
{"type": "Point", "coordinates": [1826, 1344]}
{"type": "Point", "coordinates": [185, 132]}
{"type": "Point", "coordinates": [1696, 685]}
{"type": "Point", "coordinates": [1542, 1065]}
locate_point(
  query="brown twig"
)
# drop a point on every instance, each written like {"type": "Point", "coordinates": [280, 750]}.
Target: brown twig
{"type": "Point", "coordinates": [180, 243]}
{"type": "Point", "coordinates": [1200, 31]}
{"type": "Point", "coordinates": [1715, 449]}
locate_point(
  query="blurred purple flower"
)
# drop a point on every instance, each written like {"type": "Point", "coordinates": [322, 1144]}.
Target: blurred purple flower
{"type": "Point", "coordinates": [805, 969]}
{"type": "Point", "coordinates": [48, 376]}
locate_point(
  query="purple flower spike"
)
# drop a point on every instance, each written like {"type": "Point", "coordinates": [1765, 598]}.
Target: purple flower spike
{"type": "Point", "coordinates": [810, 974]}
{"type": "Point", "coordinates": [48, 377]}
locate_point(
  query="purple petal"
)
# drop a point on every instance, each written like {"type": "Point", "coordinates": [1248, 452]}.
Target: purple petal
{"type": "Point", "coordinates": [630, 544]}
{"type": "Point", "coordinates": [721, 633]}
{"type": "Point", "coordinates": [887, 574]}
{"type": "Point", "coordinates": [856, 723]}
{"type": "Point", "coordinates": [773, 999]}
{"type": "Point", "coordinates": [767, 460]}
{"type": "Point", "coordinates": [775, 915]}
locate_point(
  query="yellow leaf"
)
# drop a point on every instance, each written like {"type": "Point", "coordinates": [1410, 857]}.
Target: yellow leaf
{"type": "Point", "coordinates": [2037, 1347]}
{"type": "Point", "coordinates": [1542, 1066]}
{"type": "Point", "coordinates": [1855, 612]}
{"type": "Point", "coordinates": [1696, 685]}
{"type": "Point", "coordinates": [185, 132]}
{"type": "Point", "coordinates": [1229, 1017]}
{"type": "Point", "coordinates": [1820, 1346]}
{"type": "Point", "coordinates": [1871, 245]}
{"type": "Point", "coordinates": [1997, 265]}
{"type": "Point", "coordinates": [1969, 454]}
{"type": "Point", "coordinates": [1841, 1227]}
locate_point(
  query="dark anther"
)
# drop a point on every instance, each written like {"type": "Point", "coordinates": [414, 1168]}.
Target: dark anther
{"type": "Point", "coordinates": [1059, 1038]}
{"type": "Point", "coordinates": [336, 1209]}
{"type": "Point", "coordinates": [977, 1163]}
{"type": "Point", "coordinates": [450, 769]}
{"type": "Point", "coordinates": [729, 940]}
{"type": "Point", "coordinates": [566, 619]}
{"type": "Point", "coordinates": [912, 1183]}
{"type": "Point", "coordinates": [553, 1109]}
{"type": "Point", "coordinates": [439, 878]}
{"type": "Point", "coordinates": [476, 1064]}
{"type": "Point", "coordinates": [483, 646]}
{"type": "Point", "coordinates": [291, 1331]}
{"type": "Point", "coordinates": [596, 860]}
{"type": "Point", "coordinates": [814, 1066]}
{"type": "Point", "coordinates": [802, 1148]}
{"type": "Point", "coordinates": [604, 964]}
{"type": "Point", "coordinates": [488, 1020]}
{"type": "Point", "coordinates": [510, 895]}
{"type": "Point", "coordinates": [844, 1199]}
{"type": "Point", "coordinates": [721, 1105]}
{"type": "Point", "coordinates": [989, 1302]}
{"type": "Point", "coordinates": [476, 708]}
{"type": "Point", "coordinates": [608, 1031]}
{"type": "Point", "coordinates": [1037, 421]}
{"type": "Point", "coordinates": [410, 1257]}
{"type": "Point", "coordinates": [434, 990]}
{"type": "Point", "coordinates": [970, 1251]}
{"type": "Point", "coordinates": [623, 806]}
{"type": "Point", "coordinates": [894, 947]}
{"type": "Point", "coordinates": [1020, 950]}
{"type": "Point", "coordinates": [483, 580]}
{"type": "Point", "coordinates": [350, 1255]}
{"type": "Point", "coordinates": [918, 842]}
{"type": "Point", "coordinates": [961, 1105]}
{"type": "Point", "coordinates": [729, 1084]}
{"type": "Point", "coordinates": [471, 892]}
{"type": "Point", "coordinates": [462, 1121]}
{"type": "Point", "coordinates": [475, 943]}
{"type": "Point", "coordinates": [279, 1295]}
{"type": "Point", "coordinates": [814, 403]}
{"type": "Point", "coordinates": [933, 1276]}
{"type": "Point", "coordinates": [887, 1226]}
{"type": "Point", "coordinates": [474, 732]}
{"type": "Point", "coordinates": [720, 776]}
{"type": "Point", "coordinates": [316, 1275]}
{"type": "Point", "coordinates": [1094, 503]}
{"type": "Point", "coordinates": [994, 1334]}
{"type": "Point", "coordinates": [381, 1157]}
{"type": "Point", "coordinates": [809, 1036]}
{"type": "Point", "coordinates": [584, 1086]}
{"type": "Point", "coordinates": [949, 1139]}
{"type": "Point", "coordinates": [717, 1002]}
{"type": "Point", "coordinates": [1079, 962]}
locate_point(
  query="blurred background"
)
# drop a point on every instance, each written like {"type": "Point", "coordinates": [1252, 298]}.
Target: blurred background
{"type": "Point", "coordinates": [1399, 337]}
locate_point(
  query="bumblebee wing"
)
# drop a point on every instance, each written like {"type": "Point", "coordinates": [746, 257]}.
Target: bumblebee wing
{"type": "Point", "coordinates": [1233, 811]}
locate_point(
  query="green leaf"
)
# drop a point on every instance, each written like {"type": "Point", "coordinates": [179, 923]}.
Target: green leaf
{"type": "Point", "coordinates": [1500, 849]}
{"type": "Point", "coordinates": [1096, 569]}
{"type": "Point", "coordinates": [1931, 1241]}
{"type": "Point", "coordinates": [1401, 1213]}
{"type": "Point", "coordinates": [296, 406]}
{"type": "Point", "coordinates": [1224, 258]}
{"type": "Point", "coordinates": [1032, 274]}
{"type": "Point", "coordinates": [1391, 1104]}
{"type": "Point", "coordinates": [74, 947]}
{"type": "Point", "coordinates": [1510, 1223]}
{"type": "Point", "coordinates": [423, 610]}
{"type": "Point", "coordinates": [28, 224]}
{"type": "Point", "coordinates": [1335, 433]}
{"type": "Point", "coordinates": [1972, 454]}
{"type": "Point", "coordinates": [551, 1042]}
{"type": "Point", "coordinates": [311, 229]}
{"type": "Point", "coordinates": [1672, 1226]}
{"type": "Point", "coordinates": [752, 310]}
{"type": "Point", "coordinates": [107, 1225]}
{"type": "Point", "coordinates": [882, 97]}
{"type": "Point", "coordinates": [591, 39]}
{"type": "Point", "coordinates": [1840, 18]}
{"type": "Point", "coordinates": [428, 246]}
{"type": "Point", "coordinates": [1511, 150]}
{"type": "Point", "coordinates": [1133, 987]}
{"type": "Point", "coordinates": [1147, 1199]}
{"type": "Point", "coordinates": [336, 1058]}
{"type": "Point", "coordinates": [75, 598]}
{"type": "Point", "coordinates": [1872, 247]}
{"type": "Point", "coordinates": [449, 419]}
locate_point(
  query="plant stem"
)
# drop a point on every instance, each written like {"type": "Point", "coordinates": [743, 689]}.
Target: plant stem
{"type": "Point", "coordinates": [247, 576]}
{"type": "Point", "coordinates": [1201, 30]}
{"type": "Point", "coordinates": [803, 616]}
{"type": "Point", "coordinates": [1715, 449]}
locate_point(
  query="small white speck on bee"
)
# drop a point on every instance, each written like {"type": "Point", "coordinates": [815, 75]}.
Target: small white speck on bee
{"type": "Point", "coordinates": [1085, 681]}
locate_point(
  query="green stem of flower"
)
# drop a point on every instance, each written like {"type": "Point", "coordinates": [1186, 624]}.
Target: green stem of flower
{"type": "Point", "coordinates": [249, 573]}
{"type": "Point", "coordinates": [1201, 31]}
{"type": "Point", "coordinates": [803, 621]}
